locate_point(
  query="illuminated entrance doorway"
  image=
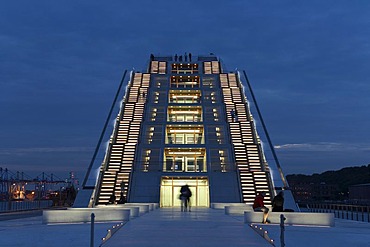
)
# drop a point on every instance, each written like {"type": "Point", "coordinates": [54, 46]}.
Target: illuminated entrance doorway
{"type": "Point", "coordinates": [170, 191]}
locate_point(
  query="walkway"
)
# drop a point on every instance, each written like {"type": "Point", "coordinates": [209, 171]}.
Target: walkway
{"type": "Point", "coordinates": [169, 227]}
{"type": "Point", "coordinates": [201, 227]}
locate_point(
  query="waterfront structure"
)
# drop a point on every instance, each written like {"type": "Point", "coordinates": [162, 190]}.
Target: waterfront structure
{"type": "Point", "coordinates": [360, 193]}
{"type": "Point", "coordinates": [185, 120]}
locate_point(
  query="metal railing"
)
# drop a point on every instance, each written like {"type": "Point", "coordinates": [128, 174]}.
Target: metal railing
{"type": "Point", "coordinates": [13, 206]}
{"type": "Point", "coordinates": [343, 211]}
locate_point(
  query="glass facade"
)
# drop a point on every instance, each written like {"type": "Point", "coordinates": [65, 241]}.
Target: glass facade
{"type": "Point", "coordinates": [185, 96]}
{"type": "Point", "coordinates": [185, 68]}
{"type": "Point", "coordinates": [180, 134]}
{"type": "Point", "coordinates": [185, 160]}
{"type": "Point", "coordinates": [184, 122]}
{"type": "Point", "coordinates": [184, 114]}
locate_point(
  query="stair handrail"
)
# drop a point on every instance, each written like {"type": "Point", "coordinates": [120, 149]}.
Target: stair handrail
{"type": "Point", "coordinates": [102, 135]}
{"type": "Point", "coordinates": [266, 132]}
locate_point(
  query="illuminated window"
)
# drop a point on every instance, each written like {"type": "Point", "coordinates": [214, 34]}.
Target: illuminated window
{"type": "Point", "coordinates": [222, 160]}
{"type": "Point", "coordinates": [215, 114]}
{"type": "Point", "coordinates": [147, 160]}
{"type": "Point", "coordinates": [189, 81]}
{"type": "Point", "coordinates": [185, 68]}
{"type": "Point", "coordinates": [184, 114]}
{"type": "Point", "coordinates": [218, 135]}
{"type": "Point", "coordinates": [150, 135]}
{"type": "Point", "coordinates": [153, 114]}
{"type": "Point", "coordinates": [213, 97]}
{"type": "Point", "coordinates": [184, 134]}
{"type": "Point", "coordinates": [156, 97]}
{"type": "Point", "coordinates": [184, 96]}
{"type": "Point", "coordinates": [184, 160]}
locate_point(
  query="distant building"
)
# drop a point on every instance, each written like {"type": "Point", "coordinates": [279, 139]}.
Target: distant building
{"type": "Point", "coordinates": [183, 121]}
{"type": "Point", "coordinates": [324, 192]}
{"type": "Point", "coordinates": [302, 192]}
{"type": "Point", "coordinates": [360, 193]}
{"type": "Point", "coordinates": [308, 191]}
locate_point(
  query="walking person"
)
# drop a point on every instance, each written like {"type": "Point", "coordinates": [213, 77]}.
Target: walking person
{"type": "Point", "coordinates": [185, 194]}
{"type": "Point", "coordinates": [259, 205]}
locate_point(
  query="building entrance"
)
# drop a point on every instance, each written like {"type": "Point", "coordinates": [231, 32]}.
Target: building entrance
{"type": "Point", "coordinates": [170, 191]}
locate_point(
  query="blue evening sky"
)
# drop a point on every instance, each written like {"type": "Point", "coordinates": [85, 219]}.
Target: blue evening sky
{"type": "Point", "coordinates": [61, 63]}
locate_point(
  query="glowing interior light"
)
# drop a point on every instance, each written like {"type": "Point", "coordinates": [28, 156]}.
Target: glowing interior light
{"type": "Point", "coordinates": [184, 131]}
{"type": "Point", "coordinates": [184, 153]}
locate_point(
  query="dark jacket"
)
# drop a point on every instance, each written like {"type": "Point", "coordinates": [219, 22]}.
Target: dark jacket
{"type": "Point", "coordinates": [185, 192]}
{"type": "Point", "coordinates": [278, 203]}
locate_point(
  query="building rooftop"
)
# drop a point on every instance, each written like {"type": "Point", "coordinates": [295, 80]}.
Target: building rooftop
{"type": "Point", "coordinates": [168, 226]}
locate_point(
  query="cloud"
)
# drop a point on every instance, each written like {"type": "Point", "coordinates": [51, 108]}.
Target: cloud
{"type": "Point", "coordinates": [323, 147]}
{"type": "Point", "coordinates": [25, 151]}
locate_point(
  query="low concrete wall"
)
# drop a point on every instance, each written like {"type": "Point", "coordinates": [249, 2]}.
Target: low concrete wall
{"type": "Point", "coordinates": [151, 205]}
{"type": "Point", "coordinates": [144, 208]}
{"type": "Point", "coordinates": [75, 215]}
{"type": "Point", "coordinates": [294, 218]}
{"type": "Point", "coordinates": [222, 205]}
{"type": "Point", "coordinates": [239, 210]}
{"type": "Point", "coordinates": [134, 210]}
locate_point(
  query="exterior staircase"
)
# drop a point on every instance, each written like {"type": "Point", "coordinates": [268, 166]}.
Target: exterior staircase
{"type": "Point", "coordinates": [120, 157]}
{"type": "Point", "coordinates": [250, 162]}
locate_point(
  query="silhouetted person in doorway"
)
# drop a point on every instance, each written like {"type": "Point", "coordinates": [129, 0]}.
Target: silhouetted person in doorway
{"type": "Point", "coordinates": [185, 194]}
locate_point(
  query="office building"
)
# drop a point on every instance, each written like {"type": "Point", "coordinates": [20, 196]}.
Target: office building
{"type": "Point", "coordinates": [185, 120]}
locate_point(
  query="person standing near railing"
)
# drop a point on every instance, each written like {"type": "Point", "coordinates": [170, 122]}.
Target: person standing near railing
{"type": "Point", "coordinates": [232, 113]}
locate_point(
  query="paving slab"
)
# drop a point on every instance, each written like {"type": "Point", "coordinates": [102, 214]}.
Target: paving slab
{"type": "Point", "coordinates": [200, 227]}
